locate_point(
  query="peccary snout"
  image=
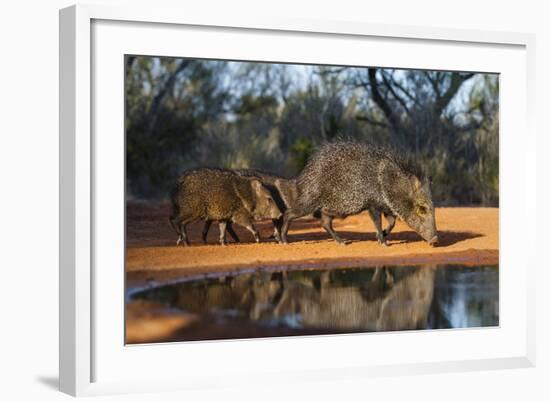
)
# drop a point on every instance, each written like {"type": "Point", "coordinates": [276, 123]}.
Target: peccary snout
{"type": "Point", "coordinates": [265, 204]}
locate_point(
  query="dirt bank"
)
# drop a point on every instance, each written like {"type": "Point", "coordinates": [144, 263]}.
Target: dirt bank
{"type": "Point", "coordinates": [467, 236]}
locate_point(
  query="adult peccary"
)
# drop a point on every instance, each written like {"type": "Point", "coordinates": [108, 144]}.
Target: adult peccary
{"type": "Point", "coordinates": [221, 195]}
{"type": "Point", "coordinates": [285, 194]}
{"type": "Point", "coordinates": [346, 178]}
{"type": "Point", "coordinates": [282, 190]}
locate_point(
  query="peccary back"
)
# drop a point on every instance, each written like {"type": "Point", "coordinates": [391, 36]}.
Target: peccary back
{"type": "Point", "coordinates": [218, 194]}
{"type": "Point", "coordinates": [346, 178]}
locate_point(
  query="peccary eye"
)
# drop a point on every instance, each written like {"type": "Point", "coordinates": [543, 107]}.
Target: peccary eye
{"type": "Point", "coordinates": [422, 210]}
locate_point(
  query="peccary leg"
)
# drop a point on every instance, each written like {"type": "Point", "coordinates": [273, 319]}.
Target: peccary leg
{"type": "Point", "coordinates": [183, 235]}
{"type": "Point", "coordinates": [391, 223]}
{"type": "Point", "coordinates": [175, 222]}
{"type": "Point", "coordinates": [205, 229]}
{"type": "Point", "coordinates": [247, 223]}
{"type": "Point", "coordinates": [223, 226]}
{"type": "Point", "coordinates": [376, 276]}
{"type": "Point", "coordinates": [290, 214]}
{"type": "Point", "coordinates": [376, 217]}
{"type": "Point", "coordinates": [389, 279]}
{"type": "Point", "coordinates": [232, 232]}
{"type": "Point", "coordinates": [254, 232]}
{"type": "Point", "coordinates": [179, 228]}
{"type": "Point", "coordinates": [326, 223]}
{"type": "Point", "coordinates": [277, 223]}
{"type": "Point", "coordinates": [229, 228]}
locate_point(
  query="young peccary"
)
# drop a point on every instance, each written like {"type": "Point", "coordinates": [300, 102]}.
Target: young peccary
{"type": "Point", "coordinates": [217, 194]}
{"type": "Point", "coordinates": [282, 190]}
{"type": "Point", "coordinates": [346, 178]}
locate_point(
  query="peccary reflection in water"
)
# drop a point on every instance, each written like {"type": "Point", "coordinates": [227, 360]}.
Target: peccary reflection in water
{"type": "Point", "coordinates": [381, 304]}
{"type": "Point", "coordinates": [383, 300]}
{"type": "Point", "coordinates": [336, 301]}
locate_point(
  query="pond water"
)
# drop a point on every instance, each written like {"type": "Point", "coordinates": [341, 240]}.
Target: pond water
{"type": "Point", "coordinates": [347, 300]}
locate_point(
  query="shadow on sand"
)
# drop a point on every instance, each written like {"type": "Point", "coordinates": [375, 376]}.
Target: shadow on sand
{"type": "Point", "coordinates": [446, 238]}
{"type": "Point", "coordinates": [153, 235]}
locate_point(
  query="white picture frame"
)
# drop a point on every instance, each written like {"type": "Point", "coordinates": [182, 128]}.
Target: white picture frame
{"type": "Point", "coordinates": [82, 334]}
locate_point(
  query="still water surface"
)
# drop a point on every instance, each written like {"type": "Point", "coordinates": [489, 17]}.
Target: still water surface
{"type": "Point", "coordinates": [347, 300]}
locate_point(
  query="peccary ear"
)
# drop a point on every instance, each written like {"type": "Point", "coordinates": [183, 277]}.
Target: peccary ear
{"type": "Point", "coordinates": [256, 186]}
{"type": "Point", "coordinates": [246, 190]}
{"type": "Point", "coordinates": [257, 189]}
{"type": "Point", "coordinates": [416, 182]}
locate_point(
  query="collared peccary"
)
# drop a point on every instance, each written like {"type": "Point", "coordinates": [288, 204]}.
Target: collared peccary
{"type": "Point", "coordinates": [346, 178]}
{"type": "Point", "coordinates": [282, 190]}
{"type": "Point", "coordinates": [222, 195]}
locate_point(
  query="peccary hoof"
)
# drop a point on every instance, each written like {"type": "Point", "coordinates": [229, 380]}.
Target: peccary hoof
{"type": "Point", "coordinates": [382, 240]}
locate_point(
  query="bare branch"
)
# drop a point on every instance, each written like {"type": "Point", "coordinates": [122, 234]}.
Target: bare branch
{"type": "Point", "coordinates": [434, 82]}
{"type": "Point", "coordinates": [381, 102]}
{"type": "Point", "coordinates": [394, 94]}
{"type": "Point", "coordinates": [402, 89]}
{"type": "Point", "coordinates": [457, 79]}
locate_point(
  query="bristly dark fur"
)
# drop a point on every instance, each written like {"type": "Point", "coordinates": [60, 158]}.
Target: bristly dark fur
{"type": "Point", "coordinates": [404, 160]}
{"type": "Point", "coordinates": [258, 173]}
{"type": "Point", "coordinates": [397, 155]}
{"type": "Point", "coordinates": [344, 178]}
{"type": "Point", "coordinates": [194, 170]}
{"type": "Point", "coordinates": [216, 194]}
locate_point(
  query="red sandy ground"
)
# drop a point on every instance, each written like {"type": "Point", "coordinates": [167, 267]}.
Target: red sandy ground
{"type": "Point", "coordinates": [467, 236]}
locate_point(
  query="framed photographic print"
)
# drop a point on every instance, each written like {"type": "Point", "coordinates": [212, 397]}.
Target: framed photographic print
{"type": "Point", "coordinates": [352, 195]}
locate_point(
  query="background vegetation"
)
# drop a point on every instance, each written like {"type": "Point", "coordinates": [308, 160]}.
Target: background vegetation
{"type": "Point", "coordinates": [183, 113]}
